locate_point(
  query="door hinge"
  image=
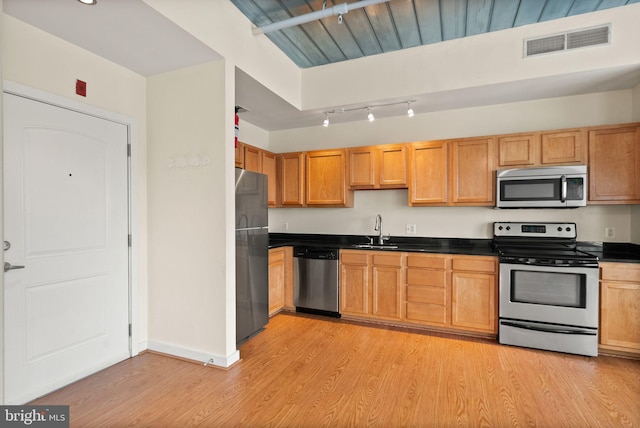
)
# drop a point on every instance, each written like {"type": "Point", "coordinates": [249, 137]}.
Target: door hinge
{"type": "Point", "coordinates": [128, 150]}
{"type": "Point", "coordinates": [130, 328]}
{"type": "Point", "coordinates": [129, 240]}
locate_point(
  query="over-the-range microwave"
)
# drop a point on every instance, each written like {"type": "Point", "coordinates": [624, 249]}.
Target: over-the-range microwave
{"type": "Point", "coordinates": [548, 187]}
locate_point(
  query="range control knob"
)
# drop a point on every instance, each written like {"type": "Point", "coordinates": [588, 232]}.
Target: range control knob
{"type": "Point", "coordinates": [508, 227]}
{"type": "Point", "coordinates": [500, 228]}
{"type": "Point", "coordinates": [559, 229]}
{"type": "Point", "coordinates": [568, 229]}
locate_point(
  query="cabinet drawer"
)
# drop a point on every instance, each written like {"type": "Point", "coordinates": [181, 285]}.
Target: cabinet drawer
{"type": "Point", "coordinates": [354, 258]}
{"type": "Point", "coordinates": [426, 313]}
{"type": "Point", "coordinates": [387, 259]}
{"type": "Point", "coordinates": [475, 265]}
{"type": "Point", "coordinates": [426, 262]}
{"type": "Point", "coordinates": [620, 272]}
{"type": "Point", "coordinates": [435, 278]}
{"type": "Point", "coordinates": [432, 295]}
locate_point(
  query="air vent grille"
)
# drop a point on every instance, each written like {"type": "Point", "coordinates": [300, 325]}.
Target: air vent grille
{"type": "Point", "coordinates": [566, 41]}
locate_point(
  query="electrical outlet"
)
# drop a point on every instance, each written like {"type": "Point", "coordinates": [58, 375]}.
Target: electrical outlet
{"type": "Point", "coordinates": [285, 226]}
{"type": "Point", "coordinates": [609, 232]}
{"type": "Point", "coordinates": [411, 229]}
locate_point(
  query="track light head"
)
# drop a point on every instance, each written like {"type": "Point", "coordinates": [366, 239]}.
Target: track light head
{"type": "Point", "coordinates": [410, 112]}
{"type": "Point", "coordinates": [370, 115]}
{"type": "Point", "coordinates": [325, 122]}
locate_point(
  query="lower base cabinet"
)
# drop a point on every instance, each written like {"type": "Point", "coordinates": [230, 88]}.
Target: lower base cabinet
{"type": "Point", "coordinates": [371, 284]}
{"type": "Point", "coordinates": [620, 308]}
{"type": "Point", "coordinates": [446, 291]}
{"type": "Point", "coordinates": [280, 279]}
{"type": "Point", "coordinates": [456, 292]}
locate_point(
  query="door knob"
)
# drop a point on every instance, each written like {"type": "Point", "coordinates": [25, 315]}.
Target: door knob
{"type": "Point", "coordinates": [8, 266]}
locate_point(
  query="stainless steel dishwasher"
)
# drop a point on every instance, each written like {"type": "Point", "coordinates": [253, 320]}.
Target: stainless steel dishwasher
{"type": "Point", "coordinates": [315, 280]}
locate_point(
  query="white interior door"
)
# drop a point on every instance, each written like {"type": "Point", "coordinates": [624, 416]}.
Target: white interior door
{"type": "Point", "coordinates": [66, 219]}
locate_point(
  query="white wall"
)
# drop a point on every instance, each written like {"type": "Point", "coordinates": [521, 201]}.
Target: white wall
{"type": "Point", "coordinates": [191, 301]}
{"type": "Point", "coordinates": [458, 222]}
{"type": "Point", "coordinates": [1, 211]}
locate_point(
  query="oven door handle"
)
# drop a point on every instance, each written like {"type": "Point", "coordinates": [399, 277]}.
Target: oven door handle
{"type": "Point", "coordinates": [563, 196]}
{"type": "Point", "coordinates": [549, 330]}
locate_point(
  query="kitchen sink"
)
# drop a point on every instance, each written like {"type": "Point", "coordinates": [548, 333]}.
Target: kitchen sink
{"type": "Point", "coordinates": [375, 247]}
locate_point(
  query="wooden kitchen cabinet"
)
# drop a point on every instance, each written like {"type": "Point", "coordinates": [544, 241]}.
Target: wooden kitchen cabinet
{"type": "Point", "coordinates": [268, 162]}
{"type": "Point", "coordinates": [252, 158]}
{"type": "Point", "coordinates": [428, 173]}
{"type": "Point", "coordinates": [371, 284]}
{"type": "Point", "coordinates": [354, 283]}
{"type": "Point", "coordinates": [614, 165]}
{"type": "Point", "coordinates": [280, 279]}
{"type": "Point", "coordinates": [518, 150]}
{"type": "Point", "coordinates": [472, 172]}
{"type": "Point", "coordinates": [563, 147]}
{"type": "Point", "coordinates": [620, 308]}
{"type": "Point", "coordinates": [326, 179]}
{"type": "Point", "coordinates": [474, 293]}
{"type": "Point", "coordinates": [428, 290]}
{"type": "Point", "coordinates": [548, 148]}
{"type": "Point", "coordinates": [240, 155]}
{"type": "Point", "coordinates": [378, 167]}
{"type": "Point", "coordinates": [291, 176]}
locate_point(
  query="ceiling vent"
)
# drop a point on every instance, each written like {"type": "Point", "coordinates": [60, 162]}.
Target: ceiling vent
{"type": "Point", "coordinates": [566, 41]}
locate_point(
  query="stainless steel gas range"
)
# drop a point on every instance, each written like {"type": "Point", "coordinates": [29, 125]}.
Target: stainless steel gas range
{"type": "Point", "coordinates": [548, 288]}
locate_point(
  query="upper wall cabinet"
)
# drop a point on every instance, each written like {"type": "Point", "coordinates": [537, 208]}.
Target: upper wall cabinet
{"type": "Point", "coordinates": [428, 173]}
{"type": "Point", "coordinates": [542, 149]}
{"type": "Point", "coordinates": [258, 160]}
{"type": "Point", "coordinates": [614, 165]}
{"type": "Point", "coordinates": [378, 167]}
{"type": "Point", "coordinates": [472, 172]}
{"type": "Point", "coordinates": [326, 179]}
{"type": "Point", "coordinates": [452, 172]}
{"type": "Point", "coordinates": [291, 176]}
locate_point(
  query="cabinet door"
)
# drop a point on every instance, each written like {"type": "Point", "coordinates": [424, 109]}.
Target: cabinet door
{"type": "Point", "coordinates": [568, 147]}
{"type": "Point", "coordinates": [518, 150]}
{"type": "Point", "coordinates": [387, 284]}
{"type": "Point", "coordinates": [252, 159]}
{"type": "Point", "coordinates": [620, 307]}
{"type": "Point", "coordinates": [392, 166]}
{"type": "Point", "coordinates": [277, 277]}
{"type": "Point", "coordinates": [269, 168]}
{"type": "Point", "coordinates": [354, 283]}
{"type": "Point", "coordinates": [428, 173]}
{"type": "Point", "coordinates": [326, 179]}
{"type": "Point", "coordinates": [291, 179]}
{"type": "Point", "coordinates": [473, 301]}
{"type": "Point", "coordinates": [240, 155]}
{"type": "Point", "coordinates": [362, 168]}
{"type": "Point", "coordinates": [614, 165]}
{"type": "Point", "coordinates": [472, 172]}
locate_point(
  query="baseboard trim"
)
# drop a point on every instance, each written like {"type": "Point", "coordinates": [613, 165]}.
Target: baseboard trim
{"type": "Point", "coordinates": [192, 355]}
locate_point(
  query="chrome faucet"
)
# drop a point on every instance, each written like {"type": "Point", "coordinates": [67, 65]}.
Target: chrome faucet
{"type": "Point", "coordinates": [378, 228]}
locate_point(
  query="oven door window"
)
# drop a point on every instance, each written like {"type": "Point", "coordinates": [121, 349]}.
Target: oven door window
{"type": "Point", "coordinates": [530, 190]}
{"type": "Point", "coordinates": [549, 288]}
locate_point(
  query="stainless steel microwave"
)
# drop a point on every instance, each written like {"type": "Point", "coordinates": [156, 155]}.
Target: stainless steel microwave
{"type": "Point", "coordinates": [549, 187]}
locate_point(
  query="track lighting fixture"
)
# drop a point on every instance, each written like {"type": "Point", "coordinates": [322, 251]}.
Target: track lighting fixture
{"type": "Point", "coordinates": [325, 123]}
{"type": "Point", "coordinates": [370, 115]}
{"type": "Point", "coordinates": [89, 2]}
{"type": "Point", "coordinates": [410, 112]}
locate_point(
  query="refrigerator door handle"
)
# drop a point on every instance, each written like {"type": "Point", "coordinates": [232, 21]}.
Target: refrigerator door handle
{"type": "Point", "coordinates": [252, 228]}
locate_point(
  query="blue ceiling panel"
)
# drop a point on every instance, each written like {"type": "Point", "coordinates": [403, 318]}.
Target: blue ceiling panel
{"type": "Point", "coordinates": [399, 24]}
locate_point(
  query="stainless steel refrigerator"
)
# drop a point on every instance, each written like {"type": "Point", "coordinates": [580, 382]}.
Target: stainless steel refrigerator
{"type": "Point", "coordinates": [252, 254]}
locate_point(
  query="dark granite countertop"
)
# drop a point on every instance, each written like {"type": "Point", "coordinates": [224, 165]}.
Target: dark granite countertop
{"type": "Point", "coordinates": [476, 247]}
{"type": "Point", "coordinates": [607, 251]}
{"type": "Point", "coordinates": [612, 251]}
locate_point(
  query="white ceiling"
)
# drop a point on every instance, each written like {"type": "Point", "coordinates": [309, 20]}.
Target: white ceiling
{"type": "Point", "coordinates": [134, 35]}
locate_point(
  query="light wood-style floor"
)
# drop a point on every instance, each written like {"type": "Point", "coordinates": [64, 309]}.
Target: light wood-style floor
{"type": "Point", "coordinates": [306, 371]}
